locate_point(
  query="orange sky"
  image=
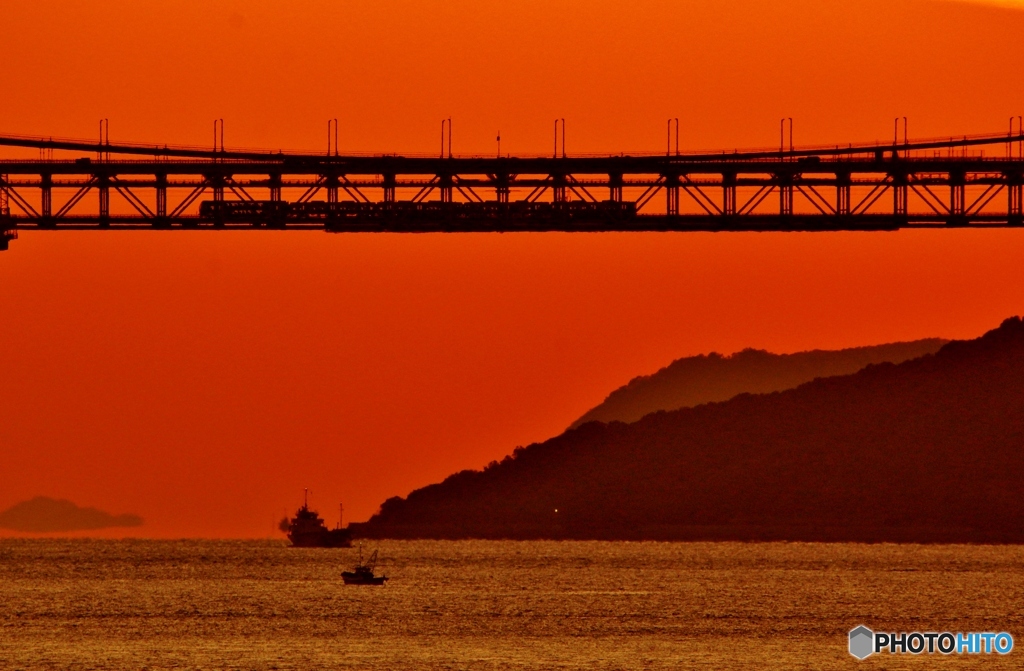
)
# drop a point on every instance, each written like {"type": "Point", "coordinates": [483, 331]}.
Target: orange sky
{"type": "Point", "coordinates": [202, 379]}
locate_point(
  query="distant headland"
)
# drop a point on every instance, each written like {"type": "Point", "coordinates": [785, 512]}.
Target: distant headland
{"type": "Point", "coordinates": [928, 450]}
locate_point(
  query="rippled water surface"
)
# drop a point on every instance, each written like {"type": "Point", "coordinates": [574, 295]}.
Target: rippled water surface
{"type": "Point", "coordinates": [80, 604]}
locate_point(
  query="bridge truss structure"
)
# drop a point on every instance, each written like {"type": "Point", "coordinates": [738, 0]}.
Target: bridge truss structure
{"type": "Point", "coordinates": [974, 181]}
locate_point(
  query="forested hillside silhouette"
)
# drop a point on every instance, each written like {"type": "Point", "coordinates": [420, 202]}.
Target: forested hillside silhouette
{"type": "Point", "coordinates": [926, 450]}
{"type": "Point", "coordinates": [694, 380]}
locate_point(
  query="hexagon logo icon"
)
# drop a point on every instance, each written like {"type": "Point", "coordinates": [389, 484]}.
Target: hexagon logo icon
{"type": "Point", "coordinates": [862, 642]}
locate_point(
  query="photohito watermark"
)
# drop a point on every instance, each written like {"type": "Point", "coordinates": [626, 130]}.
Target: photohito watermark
{"type": "Point", "coordinates": [864, 643]}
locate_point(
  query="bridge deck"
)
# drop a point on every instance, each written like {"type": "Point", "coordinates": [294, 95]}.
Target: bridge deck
{"type": "Point", "coordinates": [946, 183]}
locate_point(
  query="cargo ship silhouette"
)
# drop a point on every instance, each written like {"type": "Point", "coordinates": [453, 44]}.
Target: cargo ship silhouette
{"type": "Point", "coordinates": [307, 530]}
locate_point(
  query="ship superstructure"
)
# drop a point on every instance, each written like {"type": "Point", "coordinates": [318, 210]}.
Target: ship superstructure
{"type": "Point", "coordinates": [308, 530]}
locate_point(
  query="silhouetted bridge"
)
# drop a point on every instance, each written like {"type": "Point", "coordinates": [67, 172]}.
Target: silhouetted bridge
{"type": "Point", "coordinates": [943, 183]}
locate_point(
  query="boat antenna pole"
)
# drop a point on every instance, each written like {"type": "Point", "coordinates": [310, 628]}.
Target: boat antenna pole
{"type": "Point", "coordinates": [305, 497]}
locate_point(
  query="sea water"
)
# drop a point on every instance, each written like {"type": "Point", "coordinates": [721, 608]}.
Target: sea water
{"type": "Point", "coordinates": [103, 604]}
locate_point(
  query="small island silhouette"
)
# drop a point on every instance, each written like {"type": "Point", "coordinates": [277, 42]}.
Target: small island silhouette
{"type": "Point", "coordinates": [43, 514]}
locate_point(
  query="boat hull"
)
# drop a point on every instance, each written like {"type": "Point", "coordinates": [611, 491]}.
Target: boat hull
{"type": "Point", "coordinates": [355, 579]}
{"type": "Point", "coordinates": [326, 539]}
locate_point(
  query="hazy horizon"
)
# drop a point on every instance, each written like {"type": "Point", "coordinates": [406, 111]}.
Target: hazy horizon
{"type": "Point", "coordinates": [201, 380]}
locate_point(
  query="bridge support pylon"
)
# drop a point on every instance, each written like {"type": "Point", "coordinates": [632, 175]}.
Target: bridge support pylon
{"type": "Point", "coordinates": [502, 187]}
{"type": "Point", "coordinates": [957, 199]}
{"type": "Point", "coordinates": [7, 230]}
{"type": "Point", "coordinates": [672, 195]}
{"type": "Point", "coordinates": [332, 183]}
{"type": "Point", "coordinates": [217, 180]}
{"type": "Point", "coordinates": [785, 196]}
{"type": "Point", "coordinates": [843, 184]}
{"type": "Point", "coordinates": [161, 201]}
{"type": "Point", "coordinates": [558, 190]}
{"type": "Point", "coordinates": [615, 182]}
{"type": "Point", "coordinates": [900, 191]}
{"type": "Point", "coordinates": [446, 183]}
{"type": "Point", "coordinates": [46, 198]}
{"type": "Point", "coordinates": [104, 193]}
{"type": "Point", "coordinates": [1015, 200]}
{"type": "Point", "coordinates": [729, 194]}
{"type": "Point", "coordinates": [274, 182]}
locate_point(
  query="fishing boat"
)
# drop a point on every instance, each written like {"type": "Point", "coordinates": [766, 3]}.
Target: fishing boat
{"type": "Point", "coordinates": [362, 574]}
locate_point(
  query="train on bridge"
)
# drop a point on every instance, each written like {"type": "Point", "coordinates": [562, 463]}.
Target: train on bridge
{"type": "Point", "coordinates": [971, 181]}
{"type": "Point", "coordinates": [409, 217]}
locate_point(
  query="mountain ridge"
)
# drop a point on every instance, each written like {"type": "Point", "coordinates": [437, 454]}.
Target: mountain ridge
{"type": "Point", "coordinates": [706, 378]}
{"type": "Point", "coordinates": [927, 450]}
